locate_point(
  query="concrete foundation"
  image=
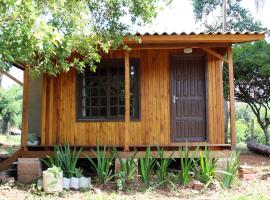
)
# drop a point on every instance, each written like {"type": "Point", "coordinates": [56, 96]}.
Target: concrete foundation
{"type": "Point", "coordinates": [28, 170]}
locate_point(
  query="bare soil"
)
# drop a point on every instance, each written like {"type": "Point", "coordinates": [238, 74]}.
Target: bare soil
{"type": "Point", "coordinates": [241, 190]}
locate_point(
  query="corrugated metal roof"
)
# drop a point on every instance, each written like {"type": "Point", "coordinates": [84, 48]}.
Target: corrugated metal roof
{"type": "Point", "coordinates": [141, 33]}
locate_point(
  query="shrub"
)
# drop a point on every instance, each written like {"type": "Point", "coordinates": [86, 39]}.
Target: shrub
{"type": "Point", "coordinates": [186, 164]}
{"type": "Point", "coordinates": [146, 167]}
{"type": "Point", "coordinates": [230, 169]}
{"type": "Point", "coordinates": [103, 167]}
{"type": "Point", "coordinates": [206, 167]}
{"type": "Point", "coordinates": [162, 165]}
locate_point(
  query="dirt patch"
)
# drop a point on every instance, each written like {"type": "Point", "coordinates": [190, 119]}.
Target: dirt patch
{"type": "Point", "coordinates": [254, 160]}
{"type": "Point", "coordinates": [241, 190]}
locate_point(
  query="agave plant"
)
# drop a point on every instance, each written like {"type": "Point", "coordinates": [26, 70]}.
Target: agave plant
{"type": "Point", "coordinates": [103, 167]}
{"type": "Point", "coordinates": [186, 163]}
{"type": "Point", "coordinates": [53, 161]}
{"type": "Point", "coordinates": [206, 167]}
{"type": "Point", "coordinates": [230, 169]}
{"type": "Point", "coordinates": [128, 166]}
{"type": "Point", "coordinates": [163, 165]}
{"type": "Point", "coordinates": [68, 158]}
{"type": "Point", "coordinates": [146, 166]}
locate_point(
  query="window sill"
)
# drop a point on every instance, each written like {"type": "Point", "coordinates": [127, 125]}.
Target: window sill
{"type": "Point", "coordinates": [107, 120]}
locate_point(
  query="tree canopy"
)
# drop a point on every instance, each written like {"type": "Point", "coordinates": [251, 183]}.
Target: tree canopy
{"type": "Point", "coordinates": [238, 18]}
{"type": "Point", "coordinates": [45, 35]}
{"type": "Point", "coordinates": [11, 105]}
{"type": "Point", "coordinates": [252, 80]}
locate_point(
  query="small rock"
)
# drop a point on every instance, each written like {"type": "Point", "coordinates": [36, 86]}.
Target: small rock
{"type": "Point", "coordinates": [264, 177]}
{"type": "Point", "coordinates": [245, 169]}
{"type": "Point", "coordinates": [191, 184]}
{"type": "Point", "coordinates": [10, 180]}
{"type": "Point", "coordinates": [98, 191]}
{"type": "Point", "coordinates": [247, 176]}
{"type": "Point", "coordinates": [40, 183]}
{"type": "Point", "coordinates": [197, 185]}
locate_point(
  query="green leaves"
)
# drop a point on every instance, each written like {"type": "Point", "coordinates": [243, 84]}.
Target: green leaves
{"type": "Point", "coordinates": [186, 165]}
{"type": "Point", "coordinates": [146, 166]}
{"type": "Point", "coordinates": [206, 167]}
{"type": "Point", "coordinates": [230, 169]}
{"type": "Point", "coordinates": [163, 165]}
{"type": "Point", "coordinates": [49, 35]}
{"type": "Point", "coordinates": [238, 17]}
{"type": "Point", "coordinates": [68, 159]}
{"type": "Point", "coordinates": [103, 167]}
{"type": "Point", "coordinates": [11, 105]}
{"type": "Point", "coordinates": [252, 79]}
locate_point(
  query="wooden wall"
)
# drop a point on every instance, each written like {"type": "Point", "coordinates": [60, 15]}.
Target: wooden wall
{"type": "Point", "coordinates": [59, 123]}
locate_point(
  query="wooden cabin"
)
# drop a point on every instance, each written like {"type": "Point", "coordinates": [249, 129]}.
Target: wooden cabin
{"type": "Point", "coordinates": [174, 97]}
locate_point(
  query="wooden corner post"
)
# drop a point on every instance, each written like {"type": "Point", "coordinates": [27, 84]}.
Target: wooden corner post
{"type": "Point", "coordinates": [231, 96]}
{"type": "Point", "coordinates": [127, 100]}
{"type": "Point", "coordinates": [25, 107]}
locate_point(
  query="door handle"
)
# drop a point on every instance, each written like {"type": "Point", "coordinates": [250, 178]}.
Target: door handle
{"type": "Point", "coordinates": [175, 98]}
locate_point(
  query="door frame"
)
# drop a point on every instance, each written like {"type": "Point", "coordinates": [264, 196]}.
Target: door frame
{"type": "Point", "coordinates": [171, 110]}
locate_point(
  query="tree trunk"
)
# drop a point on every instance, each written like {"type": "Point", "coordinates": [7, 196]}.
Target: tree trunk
{"type": "Point", "coordinates": [258, 148]}
{"type": "Point", "coordinates": [266, 134]}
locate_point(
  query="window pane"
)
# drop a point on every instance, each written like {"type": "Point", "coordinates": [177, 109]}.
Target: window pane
{"type": "Point", "coordinates": [102, 92]}
{"type": "Point", "coordinates": [103, 101]}
{"type": "Point", "coordinates": [94, 91]}
{"type": "Point", "coordinates": [113, 111]}
{"type": "Point", "coordinates": [103, 111]}
{"type": "Point", "coordinates": [113, 89]}
{"type": "Point", "coordinates": [122, 110]}
{"type": "Point", "coordinates": [94, 112]}
{"type": "Point", "coordinates": [94, 101]}
{"type": "Point", "coordinates": [113, 101]}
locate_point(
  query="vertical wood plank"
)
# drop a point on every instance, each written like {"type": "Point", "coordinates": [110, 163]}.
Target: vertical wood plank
{"type": "Point", "coordinates": [25, 107]}
{"type": "Point", "coordinates": [127, 100]}
{"type": "Point", "coordinates": [232, 101]}
{"type": "Point", "coordinates": [43, 109]}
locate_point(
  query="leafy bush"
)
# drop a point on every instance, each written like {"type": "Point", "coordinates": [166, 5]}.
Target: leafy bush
{"type": "Point", "coordinates": [146, 167]}
{"type": "Point", "coordinates": [206, 167]}
{"type": "Point", "coordinates": [103, 165]}
{"type": "Point", "coordinates": [230, 169]}
{"type": "Point", "coordinates": [242, 131]}
{"type": "Point", "coordinates": [186, 165]}
{"type": "Point", "coordinates": [162, 165]}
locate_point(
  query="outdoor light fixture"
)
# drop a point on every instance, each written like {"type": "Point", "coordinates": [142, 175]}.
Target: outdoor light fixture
{"type": "Point", "coordinates": [187, 50]}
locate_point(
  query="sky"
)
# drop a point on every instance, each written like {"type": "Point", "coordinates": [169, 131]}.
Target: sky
{"type": "Point", "coordinates": [176, 17]}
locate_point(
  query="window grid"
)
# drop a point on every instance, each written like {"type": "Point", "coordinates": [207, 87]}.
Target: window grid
{"type": "Point", "coordinates": [101, 94]}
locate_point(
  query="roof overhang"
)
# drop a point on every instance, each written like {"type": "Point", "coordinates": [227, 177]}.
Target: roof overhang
{"type": "Point", "coordinates": [148, 40]}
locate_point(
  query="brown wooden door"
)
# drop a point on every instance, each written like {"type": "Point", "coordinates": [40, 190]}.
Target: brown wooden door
{"type": "Point", "coordinates": [188, 98]}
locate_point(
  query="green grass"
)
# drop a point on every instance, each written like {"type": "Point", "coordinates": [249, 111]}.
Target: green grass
{"type": "Point", "coordinates": [10, 140]}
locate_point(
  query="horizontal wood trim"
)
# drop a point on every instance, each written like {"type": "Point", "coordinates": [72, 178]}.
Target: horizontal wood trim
{"type": "Point", "coordinates": [233, 38]}
{"type": "Point", "coordinates": [9, 161]}
{"type": "Point", "coordinates": [123, 154]}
